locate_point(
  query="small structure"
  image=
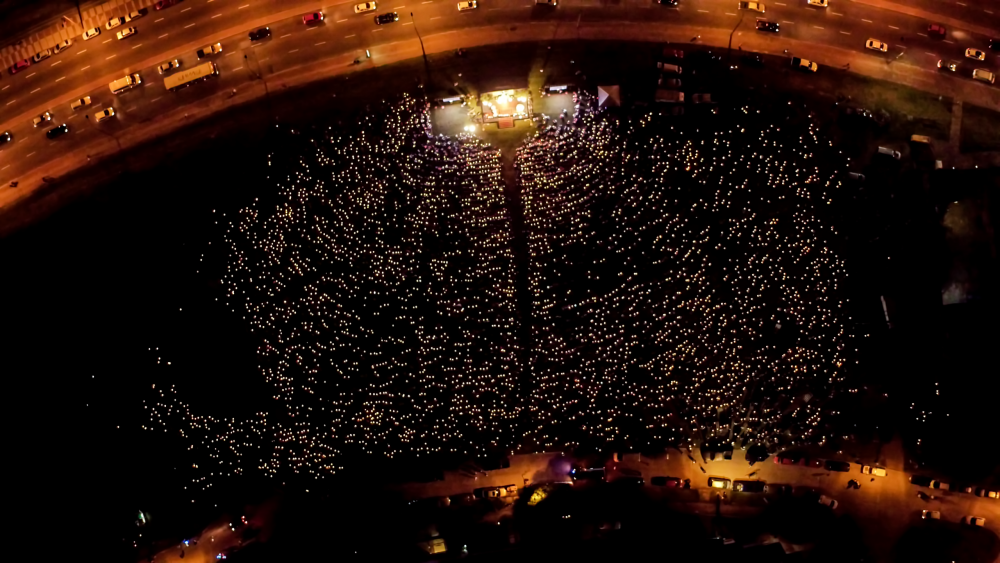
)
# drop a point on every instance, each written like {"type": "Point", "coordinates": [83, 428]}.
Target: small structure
{"type": "Point", "coordinates": [504, 107]}
{"type": "Point", "coordinates": [609, 96]}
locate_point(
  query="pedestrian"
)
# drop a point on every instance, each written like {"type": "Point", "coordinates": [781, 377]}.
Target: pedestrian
{"type": "Point", "coordinates": [873, 479]}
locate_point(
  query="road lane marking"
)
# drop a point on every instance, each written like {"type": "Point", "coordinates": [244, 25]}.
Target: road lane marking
{"type": "Point", "coordinates": [5, 167]}
{"type": "Point", "coordinates": [55, 63]}
{"type": "Point", "coordinates": [82, 52]}
{"type": "Point", "coordinates": [10, 102]}
{"type": "Point", "coordinates": [730, 14]}
{"type": "Point", "coordinates": [30, 75]}
{"type": "Point", "coordinates": [428, 2]}
{"type": "Point", "coordinates": [162, 36]}
{"type": "Point", "coordinates": [341, 21]}
{"type": "Point", "coordinates": [988, 11]}
{"type": "Point", "coordinates": [836, 14]}
{"type": "Point", "coordinates": [780, 4]}
{"type": "Point", "coordinates": [237, 68]}
{"type": "Point", "coordinates": [946, 41]}
{"type": "Point", "coordinates": [137, 46]}
{"type": "Point", "coordinates": [184, 10]}
{"type": "Point", "coordinates": [846, 32]}
{"type": "Point", "coordinates": [285, 35]}
{"type": "Point", "coordinates": [244, 6]}
{"type": "Point", "coordinates": [320, 43]}
{"type": "Point", "coordinates": [293, 51]}
{"type": "Point", "coordinates": [32, 153]}
{"type": "Point", "coordinates": [264, 59]}
{"type": "Point", "coordinates": [35, 90]}
{"type": "Point", "coordinates": [107, 40]}
{"type": "Point", "coordinates": [84, 68]}
{"type": "Point", "coordinates": [187, 26]}
{"type": "Point", "coordinates": [866, 21]}
{"type": "Point", "coordinates": [817, 27]}
{"type": "Point", "coordinates": [411, 23]}
{"type": "Point", "coordinates": [786, 21]}
{"type": "Point", "coordinates": [399, 7]}
{"type": "Point", "coordinates": [161, 97]}
{"type": "Point", "coordinates": [436, 18]}
{"type": "Point", "coordinates": [924, 34]}
{"type": "Point", "coordinates": [893, 27]}
{"type": "Point", "coordinates": [216, 16]}
{"type": "Point", "coordinates": [5, 87]}
{"type": "Point", "coordinates": [230, 53]}
{"type": "Point", "coordinates": [960, 4]}
{"type": "Point", "coordinates": [352, 35]}
{"type": "Point", "coordinates": [703, 11]}
{"type": "Point", "coordinates": [111, 57]}
{"type": "Point", "coordinates": [311, 28]}
{"type": "Point", "coordinates": [374, 30]}
{"type": "Point", "coordinates": [158, 21]}
{"type": "Point", "coordinates": [61, 78]}
{"type": "Point", "coordinates": [931, 54]}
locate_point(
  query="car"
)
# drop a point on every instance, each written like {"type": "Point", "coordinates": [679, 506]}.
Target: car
{"type": "Point", "coordinates": [719, 483]}
{"type": "Point", "coordinates": [467, 5]}
{"type": "Point", "coordinates": [365, 7]}
{"type": "Point", "coordinates": [752, 59]}
{"type": "Point", "coordinates": [389, 17]}
{"type": "Point", "coordinates": [856, 176]}
{"type": "Point", "coordinates": [780, 489]}
{"type": "Point", "coordinates": [62, 46]}
{"type": "Point", "coordinates": [994, 45]}
{"type": "Point", "coordinates": [754, 6]}
{"type": "Point", "coordinates": [788, 458]}
{"type": "Point", "coordinates": [842, 466]}
{"type": "Point", "coordinates": [81, 103]}
{"type": "Point", "coordinates": [674, 53]}
{"type": "Point", "coordinates": [950, 65]}
{"type": "Point", "coordinates": [262, 33]}
{"type": "Point", "coordinates": [42, 119]}
{"type": "Point", "coordinates": [670, 82]}
{"type": "Point", "coordinates": [578, 473]}
{"type": "Point", "coordinates": [803, 64]}
{"type": "Point", "coordinates": [5, 137]}
{"type": "Point", "coordinates": [920, 480]}
{"type": "Point", "coordinates": [983, 75]}
{"type": "Point", "coordinates": [57, 131]}
{"type": "Point", "coordinates": [662, 481]}
{"type": "Point", "coordinates": [546, 2]}
{"type": "Point", "coordinates": [669, 2]}
{"type": "Point", "coordinates": [510, 490]}
{"type": "Point", "coordinates": [895, 155]}
{"type": "Point", "coordinates": [764, 25]}
{"type": "Point", "coordinates": [317, 17]}
{"type": "Point", "coordinates": [827, 501]}
{"type": "Point", "coordinates": [108, 113]}
{"type": "Point", "coordinates": [630, 480]}
{"type": "Point", "coordinates": [986, 493]}
{"type": "Point", "coordinates": [169, 65]}
{"type": "Point", "coordinates": [91, 33]}
{"type": "Point", "coordinates": [975, 54]}
{"type": "Point", "coordinates": [41, 55]}
{"type": "Point", "coordinates": [930, 514]}
{"type": "Point", "coordinates": [938, 484]}
{"type": "Point", "coordinates": [876, 45]}
{"type": "Point", "coordinates": [210, 50]}
{"type": "Point", "coordinates": [114, 22]}
{"type": "Point", "coordinates": [936, 30]}
{"type": "Point", "coordinates": [670, 68]}
{"type": "Point", "coordinates": [164, 4]}
{"type": "Point", "coordinates": [136, 15]}
{"type": "Point", "coordinates": [974, 521]}
{"type": "Point", "coordinates": [19, 66]}
{"type": "Point", "coordinates": [873, 471]}
{"type": "Point", "coordinates": [127, 32]}
{"type": "Point", "coordinates": [749, 486]}
{"type": "Point", "coordinates": [819, 3]}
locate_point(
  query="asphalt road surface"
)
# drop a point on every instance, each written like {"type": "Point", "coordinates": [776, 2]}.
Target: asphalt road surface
{"type": "Point", "coordinates": [87, 67]}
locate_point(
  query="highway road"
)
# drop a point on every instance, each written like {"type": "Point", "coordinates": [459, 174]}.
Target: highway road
{"type": "Point", "coordinates": [176, 32]}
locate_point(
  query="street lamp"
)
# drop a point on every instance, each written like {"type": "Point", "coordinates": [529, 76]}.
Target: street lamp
{"type": "Point", "coordinates": [729, 53]}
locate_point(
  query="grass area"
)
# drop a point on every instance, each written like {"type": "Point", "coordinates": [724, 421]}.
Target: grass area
{"type": "Point", "coordinates": [980, 129]}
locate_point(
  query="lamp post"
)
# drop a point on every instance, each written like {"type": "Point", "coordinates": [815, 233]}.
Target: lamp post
{"type": "Point", "coordinates": [422, 51]}
{"type": "Point", "coordinates": [729, 52]}
{"type": "Point", "coordinates": [259, 75]}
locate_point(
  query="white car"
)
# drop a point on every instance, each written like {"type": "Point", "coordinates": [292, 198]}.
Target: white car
{"type": "Point", "coordinates": [876, 45]}
{"type": "Point", "coordinates": [820, 3]}
{"type": "Point", "coordinates": [91, 33]}
{"type": "Point", "coordinates": [975, 54]}
{"type": "Point", "coordinates": [42, 119]}
{"type": "Point", "coordinates": [210, 50]}
{"type": "Point", "coordinates": [365, 7]}
{"type": "Point", "coordinates": [42, 55]}
{"type": "Point", "coordinates": [108, 113]}
{"type": "Point", "coordinates": [135, 15]}
{"type": "Point", "coordinates": [975, 520]}
{"type": "Point", "coordinates": [467, 5]}
{"type": "Point", "coordinates": [874, 471]}
{"type": "Point", "coordinates": [127, 32]}
{"type": "Point", "coordinates": [931, 515]}
{"type": "Point", "coordinates": [81, 103]}
{"type": "Point", "coordinates": [115, 22]}
{"type": "Point", "coordinates": [827, 501]}
{"type": "Point", "coordinates": [169, 65]}
{"type": "Point", "coordinates": [62, 46]}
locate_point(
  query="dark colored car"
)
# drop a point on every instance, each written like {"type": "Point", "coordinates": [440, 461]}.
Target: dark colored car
{"type": "Point", "coordinates": [58, 131]}
{"type": "Point", "coordinates": [842, 466]}
{"type": "Point", "coordinates": [753, 59]}
{"type": "Point", "coordinates": [5, 138]}
{"type": "Point", "coordinates": [936, 31]}
{"type": "Point", "coordinates": [661, 481]}
{"type": "Point", "coordinates": [994, 44]}
{"type": "Point", "coordinates": [262, 33]}
{"type": "Point", "coordinates": [921, 481]}
{"type": "Point", "coordinates": [669, 2]}
{"type": "Point", "coordinates": [165, 4]}
{"type": "Point", "coordinates": [386, 18]}
{"type": "Point", "coordinates": [587, 473]}
{"type": "Point", "coordinates": [750, 486]}
{"type": "Point", "coordinates": [764, 25]}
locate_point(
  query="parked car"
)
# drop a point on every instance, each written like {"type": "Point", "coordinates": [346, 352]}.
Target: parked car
{"type": "Point", "coordinates": [719, 483]}
{"type": "Point", "coordinates": [58, 131]}
{"type": "Point", "coordinates": [114, 22]}
{"type": "Point", "coordinates": [827, 501]}
{"type": "Point", "coordinates": [42, 55]}
{"type": "Point", "coordinates": [974, 521]}
{"type": "Point", "coordinates": [936, 30]}
{"type": "Point", "coordinates": [81, 103]}
{"type": "Point", "coordinates": [803, 64]}
{"type": "Point", "coordinates": [164, 4]}
{"type": "Point", "coordinates": [669, 82]}
{"type": "Point", "coordinates": [750, 486]}
{"type": "Point", "coordinates": [994, 45]}
{"type": "Point", "coordinates": [630, 480]}
{"type": "Point", "coordinates": [673, 53]}
{"type": "Point", "coordinates": [62, 46]}
{"type": "Point", "coordinates": [752, 59]}
{"type": "Point", "coordinates": [930, 515]}
{"type": "Point", "coordinates": [6, 137]}
{"type": "Point", "coordinates": [661, 481]}
{"type": "Point", "coordinates": [587, 473]}
{"type": "Point", "coordinates": [136, 15]}
{"type": "Point", "coordinates": [842, 466]}
{"type": "Point", "coordinates": [19, 66]}
{"type": "Point", "coordinates": [91, 33]}
{"type": "Point", "coordinates": [940, 485]}
{"type": "Point", "coordinates": [127, 32]}
{"type": "Point", "coordinates": [981, 492]}
{"type": "Point", "coordinates": [873, 471]}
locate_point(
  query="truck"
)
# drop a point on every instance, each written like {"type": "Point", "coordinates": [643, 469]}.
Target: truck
{"type": "Point", "coordinates": [126, 83]}
{"type": "Point", "coordinates": [669, 96]}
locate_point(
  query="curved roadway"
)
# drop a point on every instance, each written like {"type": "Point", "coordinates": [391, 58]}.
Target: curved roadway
{"type": "Point", "coordinates": [832, 35]}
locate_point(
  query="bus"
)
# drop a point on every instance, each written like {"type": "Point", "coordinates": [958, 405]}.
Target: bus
{"type": "Point", "coordinates": [187, 77]}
